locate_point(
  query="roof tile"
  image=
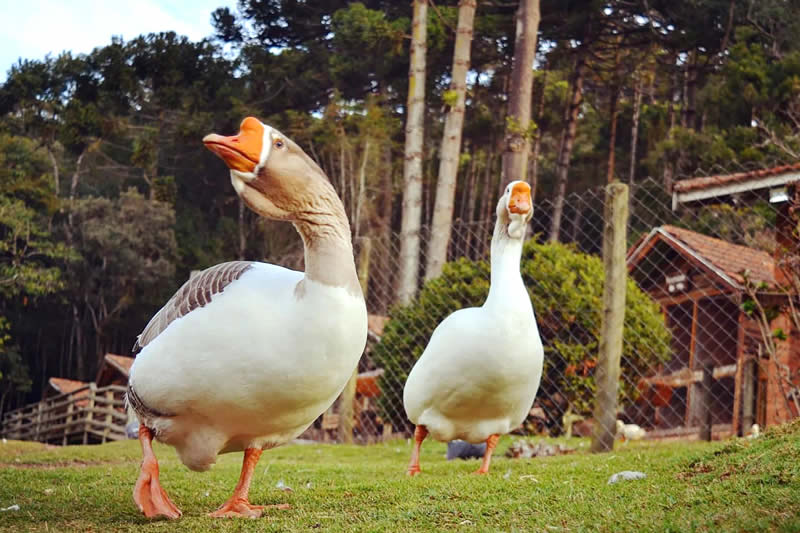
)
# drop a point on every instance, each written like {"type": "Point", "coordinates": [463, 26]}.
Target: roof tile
{"type": "Point", "coordinates": [730, 258]}
{"type": "Point", "coordinates": [705, 182]}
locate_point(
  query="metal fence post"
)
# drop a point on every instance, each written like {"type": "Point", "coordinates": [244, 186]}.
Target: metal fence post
{"type": "Point", "coordinates": [607, 374]}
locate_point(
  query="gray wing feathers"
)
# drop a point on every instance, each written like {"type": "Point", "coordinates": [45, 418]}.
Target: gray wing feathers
{"type": "Point", "coordinates": [195, 293]}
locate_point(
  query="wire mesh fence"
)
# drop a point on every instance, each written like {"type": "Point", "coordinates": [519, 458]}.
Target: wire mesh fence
{"type": "Point", "coordinates": [711, 341]}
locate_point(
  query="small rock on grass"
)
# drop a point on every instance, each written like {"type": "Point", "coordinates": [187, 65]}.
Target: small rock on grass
{"type": "Point", "coordinates": [459, 449]}
{"type": "Point", "coordinates": [626, 475]}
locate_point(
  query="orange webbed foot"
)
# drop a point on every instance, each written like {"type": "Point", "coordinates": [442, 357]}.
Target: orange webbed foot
{"type": "Point", "coordinates": [150, 496]}
{"type": "Point", "coordinates": [239, 508]}
{"type": "Point", "coordinates": [413, 471]}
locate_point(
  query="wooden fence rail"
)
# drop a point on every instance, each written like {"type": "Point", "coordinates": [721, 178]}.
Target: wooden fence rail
{"type": "Point", "coordinates": [83, 416]}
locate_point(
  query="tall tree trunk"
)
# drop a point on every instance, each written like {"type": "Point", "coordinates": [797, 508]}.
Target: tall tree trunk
{"type": "Point", "coordinates": [515, 157]}
{"type": "Point", "coordinates": [468, 199]}
{"type": "Point", "coordinates": [351, 174]}
{"type": "Point", "coordinates": [565, 151]}
{"type": "Point", "coordinates": [688, 109]}
{"type": "Point", "coordinates": [342, 180]}
{"type": "Point", "coordinates": [537, 140]}
{"type": "Point", "coordinates": [385, 262]}
{"type": "Point", "coordinates": [691, 91]}
{"type": "Point", "coordinates": [55, 170]}
{"type": "Point", "coordinates": [73, 191]}
{"type": "Point", "coordinates": [451, 144]}
{"type": "Point", "coordinates": [412, 167]}
{"type": "Point", "coordinates": [426, 198]}
{"type": "Point", "coordinates": [669, 170]}
{"type": "Point", "coordinates": [79, 351]}
{"type": "Point", "coordinates": [362, 190]}
{"type": "Point", "coordinates": [484, 215]}
{"type": "Point", "coordinates": [576, 224]}
{"type": "Point", "coordinates": [612, 133]}
{"type": "Point", "coordinates": [637, 108]}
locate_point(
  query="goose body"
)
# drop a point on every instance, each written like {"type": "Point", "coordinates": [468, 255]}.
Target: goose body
{"type": "Point", "coordinates": [254, 367]}
{"type": "Point", "coordinates": [479, 374]}
{"type": "Point", "coordinates": [246, 355]}
{"type": "Point", "coordinates": [480, 371]}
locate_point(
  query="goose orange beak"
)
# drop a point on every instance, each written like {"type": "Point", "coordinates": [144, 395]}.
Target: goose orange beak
{"type": "Point", "coordinates": [520, 201]}
{"type": "Point", "coordinates": [240, 152]}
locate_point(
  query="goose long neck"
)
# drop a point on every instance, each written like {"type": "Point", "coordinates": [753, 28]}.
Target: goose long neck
{"type": "Point", "coordinates": [506, 280]}
{"type": "Point", "coordinates": [325, 231]}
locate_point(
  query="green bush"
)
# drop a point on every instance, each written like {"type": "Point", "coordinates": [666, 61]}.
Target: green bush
{"type": "Point", "coordinates": [566, 289]}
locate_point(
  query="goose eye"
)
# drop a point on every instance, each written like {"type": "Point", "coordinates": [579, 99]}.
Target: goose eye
{"type": "Point", "coordinates": [278, 143]}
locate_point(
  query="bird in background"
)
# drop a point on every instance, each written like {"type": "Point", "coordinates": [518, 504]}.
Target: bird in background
{"type": "Point", "coordinates": [628, 432]}
{"type": "Point", "coordinates": [479, 374]}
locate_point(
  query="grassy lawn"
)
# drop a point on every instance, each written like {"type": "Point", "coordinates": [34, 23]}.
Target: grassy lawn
{"type": "Point", "coordinates": [738, 485]}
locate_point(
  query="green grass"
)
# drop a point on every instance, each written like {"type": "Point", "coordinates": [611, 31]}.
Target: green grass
{"type": "Point", "coordinates": [738, 485]}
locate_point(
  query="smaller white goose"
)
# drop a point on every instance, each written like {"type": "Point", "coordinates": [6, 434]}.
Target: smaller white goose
{"type": "Point", "coordinates": [630, 431]}
{"type": "Point", "coordinates": [479, 374]}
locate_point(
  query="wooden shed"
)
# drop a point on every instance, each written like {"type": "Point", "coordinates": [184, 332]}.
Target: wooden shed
{"type": "Point", "coordinates": [717, 363]}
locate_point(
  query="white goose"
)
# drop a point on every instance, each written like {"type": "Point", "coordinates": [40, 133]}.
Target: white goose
{"type": "Point", "coordinates": [630, 431]}
{"type": "Point", "coordinates": [479, 374]}
{"type": "Point", "coordinates": [246, 355]}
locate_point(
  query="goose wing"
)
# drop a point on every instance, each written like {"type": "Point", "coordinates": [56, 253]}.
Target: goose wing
{"type": "Point", "coordinates": [196, 292]}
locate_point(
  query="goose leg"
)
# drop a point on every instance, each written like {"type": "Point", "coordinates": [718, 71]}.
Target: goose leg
{"type": "Point", "coordinates": [239, 504]}
{"type": "Point", "coordinates": [491, 443]}
{"type": "Point", "coordinates": [419, 435]}
{"type": "Point", "coordinates": [148, 494]}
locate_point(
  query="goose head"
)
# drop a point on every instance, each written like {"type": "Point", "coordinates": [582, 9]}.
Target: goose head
{"type": "Point", "coordinates": [515, 208]}
{"type": "Point", "coordinates": [273, 175]}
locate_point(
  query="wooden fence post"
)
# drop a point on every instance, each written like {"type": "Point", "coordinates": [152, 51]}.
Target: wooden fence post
{"type": "Point", "coordinates": [68, 422]}
{"type": "Point", "coordinates": [348, 395]}
{"type": "Point", "coordinates": [704, 407]}
{"type": "Point", "coordinates": [747, 394]}
{"type": "Point", "coordinates": [38, 430]}
{"type": "Point", "coordinates": [607, 373]}
{"type": "Point", "coordinates": [109, 404]}
{"type": "Point", "coordinates": [89, 414]}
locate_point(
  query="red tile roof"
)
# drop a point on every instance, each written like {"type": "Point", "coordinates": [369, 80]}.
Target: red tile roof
{"type": "Point", "coordinates": [65, 386]}
{"type": "Point", "coordinates": [706, 182]}
{"type": "Point", "coordinates": [121, 362]}
{"type": "Point", "coordinates": [367, 383]}
{"type": "Point", "coordinates": [730, 258]}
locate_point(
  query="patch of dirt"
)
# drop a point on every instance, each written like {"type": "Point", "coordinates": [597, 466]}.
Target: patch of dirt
{"type": "Point", "coordinates": [698, 467]}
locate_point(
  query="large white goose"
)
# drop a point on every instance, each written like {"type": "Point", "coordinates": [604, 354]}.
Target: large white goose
{"type": "Point", "coordinates": [246, 355]}
{"type": "Point", "coordinates": [479, 374]}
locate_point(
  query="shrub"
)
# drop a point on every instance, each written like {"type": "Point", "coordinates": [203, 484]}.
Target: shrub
{"type": "Point", "coordinates": [566, 289]}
